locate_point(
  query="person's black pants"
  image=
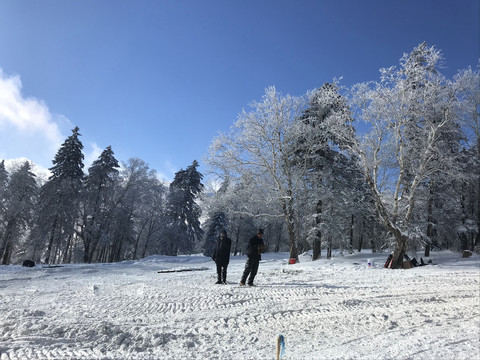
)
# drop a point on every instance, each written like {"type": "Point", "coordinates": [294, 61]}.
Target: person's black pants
{"type": "Point", "coordinates": [251, 268]}
{"type": "Point", "coordinates": [222, 273]}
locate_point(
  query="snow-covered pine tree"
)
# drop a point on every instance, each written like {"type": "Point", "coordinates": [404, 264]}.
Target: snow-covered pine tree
{"type": "Point", "coordinates": [59, 199]}
{"type": "Point", "coordinates": [330, 181]}
{"type": "Point", "coordinates": [98, 195]}
{"type": "Point", "coordinates": [184, 230]}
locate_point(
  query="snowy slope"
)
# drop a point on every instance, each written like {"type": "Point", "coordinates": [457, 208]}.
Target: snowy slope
{"type": "Point", "coordinates": [327, 309]}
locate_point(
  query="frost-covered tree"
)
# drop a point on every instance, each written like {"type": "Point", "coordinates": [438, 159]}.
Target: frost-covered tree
{"type": "Point", "coordinates": [243, 203]}
{"type": "Point", "coordinates": [256, 148]}
{"type": "Point", "coordinates": [330, 181]}
{"type": "Point", "coordinates": [59, 200]}
{"type": "Point", "coordinates": [119, 243]}
{"type": "Point", "coordinates": [150, 216]}
{"type": "Point", "coordinates": [97, 202]}
{"type": "Point", "coordinates": [184, 231]}
{"type": "Point", "coordinates": [20, 197]}
{"type": "Point", "coordinates": [407, 113]}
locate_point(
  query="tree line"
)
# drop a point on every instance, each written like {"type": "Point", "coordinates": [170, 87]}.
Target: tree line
{"type": "Point", "coordinates": [391, 165]}
{"type": "Point", "coordinates": [112, 213]}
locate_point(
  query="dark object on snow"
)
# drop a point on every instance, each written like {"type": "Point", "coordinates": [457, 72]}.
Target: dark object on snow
{"type": "Point", "coordinates": [413, 262]}
{"type": "Point", "coordinates": [221, 256]}
{"type": "Point", "coordinates": [407, 264]}
{"type": "Point", "coordinates": [28, 263]}
{"type": "Point", "coordinates": [255, 248]}
{"type": "Point", "coordinates": [388, 263]}
{"type": "Point", "coordinates": [181, 270]}
{"type": "Point", "coordinates": [466, 253]}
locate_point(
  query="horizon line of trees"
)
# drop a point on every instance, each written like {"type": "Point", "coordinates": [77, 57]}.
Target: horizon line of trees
{"type": "Point", "coordinates": [390, 165]}
{"type": "Point", "coordinates": [110, 214]}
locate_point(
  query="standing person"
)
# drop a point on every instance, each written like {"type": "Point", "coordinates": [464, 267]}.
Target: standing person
{"type": "Point", "coordinates": [221, 256]}
{"type": "Point", "coordinates": [254, 254]}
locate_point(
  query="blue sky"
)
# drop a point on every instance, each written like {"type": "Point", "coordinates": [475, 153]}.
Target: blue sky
{"type": "Point", "coordinates": [158, 79]}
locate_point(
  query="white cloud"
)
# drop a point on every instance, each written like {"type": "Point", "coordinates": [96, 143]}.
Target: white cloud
{"type": "Point", "coordinates": [91, 155]}
{"type": "Point", "coordinates": [167, 173]}
{"type": "Point", "coordinates": [27, 128]}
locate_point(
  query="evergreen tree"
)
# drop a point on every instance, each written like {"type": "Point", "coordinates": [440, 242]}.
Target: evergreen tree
{"type": "Point", "coordinates": [330, 181]}
{"type": "Point", "coordinates": [215, 223]}
{"type": "Point", "coordinates": [184, 229]}
{"type": "Point", "coordinates": [97, 201]}
{"type": "Point", "coordinates": [59, 200]}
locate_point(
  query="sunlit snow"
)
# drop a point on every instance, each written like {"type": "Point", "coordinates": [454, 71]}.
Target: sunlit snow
{"type": "Point", "coordinates": [327, 309]}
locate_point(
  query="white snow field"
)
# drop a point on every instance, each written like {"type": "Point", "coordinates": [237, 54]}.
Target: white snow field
{"type": "Point", "coordinates": [327, 309]}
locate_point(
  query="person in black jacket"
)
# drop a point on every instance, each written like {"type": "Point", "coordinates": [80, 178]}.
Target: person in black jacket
{"type": "Point", "coordinates": [254, 254]}
{"type": "Point", "coordinates": [221, 256]}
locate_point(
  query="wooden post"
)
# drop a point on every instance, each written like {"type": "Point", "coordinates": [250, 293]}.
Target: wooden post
{"type": "Point", "coordinates": [278, 348]}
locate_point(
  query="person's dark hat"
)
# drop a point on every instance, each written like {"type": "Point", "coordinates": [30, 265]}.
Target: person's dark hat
{"type": "Point", "coordinates": [260, 231]}
{"type": "Point", "coordinates": [224, 232]}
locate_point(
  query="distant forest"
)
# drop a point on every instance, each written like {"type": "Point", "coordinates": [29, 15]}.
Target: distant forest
{"type": "Point", "coordinates": [391, 165]}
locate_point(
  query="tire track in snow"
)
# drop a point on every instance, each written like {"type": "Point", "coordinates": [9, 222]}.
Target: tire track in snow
{"type": "Point", "coordinates": [143, 316]}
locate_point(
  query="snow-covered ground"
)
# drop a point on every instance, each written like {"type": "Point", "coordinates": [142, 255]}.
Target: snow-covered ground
{"type": "Point", "coordinates": [327, 309]}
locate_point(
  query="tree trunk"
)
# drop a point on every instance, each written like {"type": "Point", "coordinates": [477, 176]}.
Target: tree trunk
{"type": "Point", "coordinates": [7, 253]}
{"type": "Point", "coordinates": [427, 250]}
{"type": "Point", "coordinates": [317, 240]}
{"type": "Point", "coordinates": [7, 243]}
{"type": "Point", "coordinates": [317, 246]}
{"type": "Point", "coordinates": [68, 250]}
{"type": "Point", "coordinates": [237, 238]}
{"type": "Point", "coordinates": [429, 222]}
{"type": "Point", "coordinates": [477, 239]}
{"type": "Point", "coordinates": [400, 249]}
{"type": "Point", "coordinates": [289, 218]}
{"type": "Point", "coordinates": [7, 250]}
{"type": "Point", "coordinates": [360, 242]}
{"type": "Point", "coordinates": [150, 231]}
{"type": "Point", "coordinates": [352, 224]}
{"type": "Point", "coordinates": [50, 242]}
